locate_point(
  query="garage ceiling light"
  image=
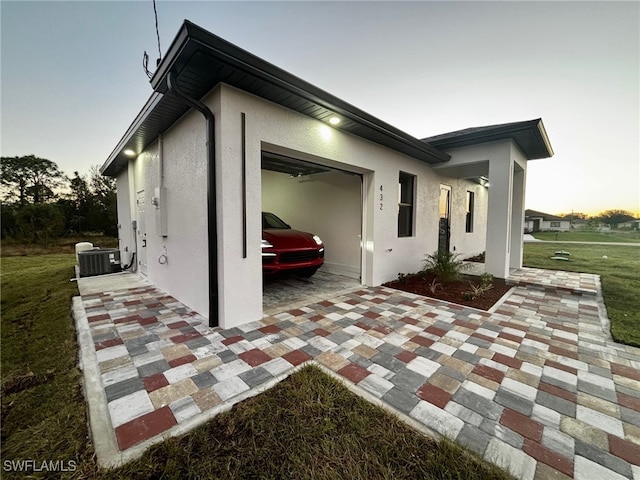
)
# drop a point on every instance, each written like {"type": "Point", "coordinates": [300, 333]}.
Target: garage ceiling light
{"type": "Point", "coordinates": [334, 120]}
{"type": "Point", "coordinates": [129, 153]}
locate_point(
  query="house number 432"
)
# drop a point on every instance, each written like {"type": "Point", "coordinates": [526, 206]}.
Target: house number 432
{"type": "Point", "coordinates": [381, 197]}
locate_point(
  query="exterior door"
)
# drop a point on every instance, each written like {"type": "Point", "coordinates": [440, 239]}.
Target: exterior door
{"type": "Point", "coordinates": [141, 233]}
{"type": "Point", "coordinates": [444, 227]}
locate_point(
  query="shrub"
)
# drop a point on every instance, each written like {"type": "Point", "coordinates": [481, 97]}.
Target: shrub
{"type": "Point", "coordinates": [447, 266]}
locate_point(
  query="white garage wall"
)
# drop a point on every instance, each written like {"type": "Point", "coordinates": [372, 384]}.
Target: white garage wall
{"type": "Point", "coordinates": [274, 128]}
{"type": "Point", "coordinates": [327, 204]}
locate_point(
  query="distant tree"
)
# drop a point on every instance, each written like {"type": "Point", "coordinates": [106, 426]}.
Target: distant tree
{"type": "Point", "coordinates": [29, 179]}
{"type": "Point", "coordinates": [104, 209]}
{"type": "Point", "coordinates": [613, 217]}
{"type": "Point", "coordinates": [39, 222]}
{"type": "Point", "coordinates": [574, 215]}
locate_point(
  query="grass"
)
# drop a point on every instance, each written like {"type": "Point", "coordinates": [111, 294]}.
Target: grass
{"type": "Point", "coordinates": [616, 236]}
{"type": "Point", "coordinates": [13, 248]}
{"type": "Point", "coordinates": [42, 404]}
{"type": "Point", "coordinates": [620, 275]}
{"type": "Point", "coordinates": [308, 427]}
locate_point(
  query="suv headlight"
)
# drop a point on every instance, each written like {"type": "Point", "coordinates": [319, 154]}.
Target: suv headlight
{"type": "Point", "coordinates": [316, 238]}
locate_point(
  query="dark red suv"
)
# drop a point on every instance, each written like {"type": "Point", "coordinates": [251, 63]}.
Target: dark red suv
{"type": "Point", "coordinates": [285, 249]}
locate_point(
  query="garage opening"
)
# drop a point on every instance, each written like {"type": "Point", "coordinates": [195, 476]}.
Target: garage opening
{"type": "Point", "coordinates": [324, 201]}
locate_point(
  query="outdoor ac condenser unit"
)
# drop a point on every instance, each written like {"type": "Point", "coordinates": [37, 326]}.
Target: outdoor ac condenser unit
{"type": "Point", "coordinates": [99, 262]}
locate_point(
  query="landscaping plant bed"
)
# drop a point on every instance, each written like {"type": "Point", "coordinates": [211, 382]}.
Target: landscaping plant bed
{"type": "Point", "coordinates": [454, 291]}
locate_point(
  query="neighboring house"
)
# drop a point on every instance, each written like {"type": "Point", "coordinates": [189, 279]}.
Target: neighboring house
{"type": "Point", "coordinates": [226, 135]}
{"type": "Point", "coordinates": [543, 222]}
{"type": "Point", "coordinates": [629, 225]}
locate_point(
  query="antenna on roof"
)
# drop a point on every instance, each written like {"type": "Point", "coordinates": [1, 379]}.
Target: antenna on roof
{"type": "Point", "coordinates": [145, 56]}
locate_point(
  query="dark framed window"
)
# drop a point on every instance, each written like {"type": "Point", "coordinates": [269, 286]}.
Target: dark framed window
{"type": "Point", "coordinates": [406, 194]}
{"type": "Point", "coordinates": [555, 224]}
{"type": "Point", "coordinates": [470, 211]}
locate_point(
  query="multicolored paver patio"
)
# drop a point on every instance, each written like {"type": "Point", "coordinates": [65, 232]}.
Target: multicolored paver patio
{"type": "Point", "coordinates": [536, 386]}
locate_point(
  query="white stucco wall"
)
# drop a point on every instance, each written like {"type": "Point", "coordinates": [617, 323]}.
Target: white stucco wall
{"type": "Point", "coordinates": [274, 128]}
{"type": "Point", "coordinates": [326, 204]}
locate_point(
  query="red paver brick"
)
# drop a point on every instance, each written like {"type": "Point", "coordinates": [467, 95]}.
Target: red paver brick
{"type": "Point", "coordinates": [353, 301]}
{"type": "Point", "coordinates": [629, 401]}
{"type": "Point", "coordinates": [521, 424]}
{"type": "Point", "coordinates": [433, 394]}
{"type": "Point", "coordinates": [409, 320]}
{"type": "Point", "coordinates": [465, 324]}
{"type": "Point", "coordinates": [316, 318]}
{"type": "Point", "coordinates": [561, 366]}
{"type": "Point", "coordinates": [321, 331]}
{"type": "Point", "coordinates": [483, 337]}
{"type": "Point", "coordinates": [371, 314]}
{"type": "Point", "coordinates": [363, 326]}
{"type": "Point", "coordinates": [383, 329]}
{"type": "Point", "coordinates": [177, 325]}
{"type": "Point", "coordinates": [488, 372]}
{"type": "Point", "coordinates": [325, 303]}
{"type": "Point", "coordinates": [406, 356]}
{"type": "Point", "coordinates": [559, 326]}
{"type": "Point", "coordinates": [563, 351]}
{"type": "Point", "coordinates": [507, 360]}
{"type": "Point", "coordinates": [625, 371]}
{"type": "Point", "coordinates": [436, 331]}
{"type": "Point", "coordinates": [378, 300]}
{"type": "Point", "coordinates": [129, 318]}
{"type": "Point", "coordinates": [185, 337]}
{"type": "Point", "coordinates": [296, 357]}
{"type": "Point", "coordinates": [354, 372]}
{"type": "Point", "coordinates": [176, 362]}
{"type": "Point", "coordinates": [108, 343]}
{"type": "Point", "coordinates": [424, 341]}
{"type": "Point", "coordinates": [515, 326]}
{"type": "Point", "coordinates": [296, 313]}
{"type": "Point", "coordinates": [268, 329]}
{"type": "Point", "coordinates": [254, 357]}
{"type": "Point", "coordinates": [509, 336]}
{"type": "Point", "coordinates": [154, 382]}
{"type": "Point", "coordinates": [624, 449]}
{"type": "Point", "coordinates": [144, 427]}
{"type": "Point", "coordinates": [153, 305]}
{"type": "Point", "coordinates": [548, 457]}
{"type": "Point", "coordinates": [232, 340]}
{"type": "Point", "coordinates": [132, 302]}
{"type": "Point", "coordinates": [148, 321]}
{"type": "Point", "coordinates": [97, 318]}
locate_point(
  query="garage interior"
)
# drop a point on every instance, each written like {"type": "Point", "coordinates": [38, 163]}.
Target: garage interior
{"type": "Point", "coordinates": [322, 200]}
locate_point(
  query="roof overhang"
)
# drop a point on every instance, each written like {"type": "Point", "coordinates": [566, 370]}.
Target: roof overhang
{"type": "Point", "coordinates": [202, 60]}
{"type": "Point", "coordinates": [530, 136]}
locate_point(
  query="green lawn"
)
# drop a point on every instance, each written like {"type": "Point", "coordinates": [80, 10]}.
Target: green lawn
{"type": "Point", "coordinates": [308, 427]}
{"type": "Point", "coordinates": [620, 274]}
{"type": "Point", "coordinates": [586, 236]}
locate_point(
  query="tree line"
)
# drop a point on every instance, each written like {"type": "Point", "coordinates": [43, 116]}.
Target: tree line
{"type": "Point", "coordinates": [39, 202]}
{"type": "Point", "coordinates": [612, 218]}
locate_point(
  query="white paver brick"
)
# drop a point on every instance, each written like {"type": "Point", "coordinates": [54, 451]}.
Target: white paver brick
{"type": "Point", "coordinates": [437, 419]}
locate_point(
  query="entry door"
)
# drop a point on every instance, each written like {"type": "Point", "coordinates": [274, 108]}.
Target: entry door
{"type": "Point", "coordinates": [444, 227]}
{"type": "Point", "coordinates": [141, 233]}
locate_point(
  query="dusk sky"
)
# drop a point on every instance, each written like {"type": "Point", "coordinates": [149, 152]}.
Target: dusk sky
{"type": "Point", "coordinates": [72, 77]}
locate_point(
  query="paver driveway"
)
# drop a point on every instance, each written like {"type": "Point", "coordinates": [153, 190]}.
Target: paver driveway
{"type": "Point", "coordinates": [535, 386]}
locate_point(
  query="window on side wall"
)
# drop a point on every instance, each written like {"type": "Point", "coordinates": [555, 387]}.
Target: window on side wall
{"type": "Point", "coordinates": [470, 209]}
{"type": "Point", "coordinates": [555, 224]}
{"type": "Point", "coordinates": [406, 187]}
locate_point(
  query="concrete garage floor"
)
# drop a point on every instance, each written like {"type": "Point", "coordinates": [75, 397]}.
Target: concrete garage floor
{"type": "Point", "coordinates": [288, 291]}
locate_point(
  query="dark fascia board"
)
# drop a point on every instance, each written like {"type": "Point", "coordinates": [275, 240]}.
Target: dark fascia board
{"type": "Point", "coordinates": [544, 216]}
{"type": "Point", "coordinates": [530, 136]}
{"type": "Point", "coordinates": [192, 38]}
{"type": "Point", "coordinates": [241, 59]}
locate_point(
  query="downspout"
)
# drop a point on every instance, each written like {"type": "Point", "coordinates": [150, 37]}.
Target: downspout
{"type": "Point", "coordinates": [211, 194]}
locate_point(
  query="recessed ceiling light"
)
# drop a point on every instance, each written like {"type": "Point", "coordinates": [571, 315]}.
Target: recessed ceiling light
{"type": "Point", "coordinates": [129, 153]}
{"type": "Point", "coordinates": [334, 120]}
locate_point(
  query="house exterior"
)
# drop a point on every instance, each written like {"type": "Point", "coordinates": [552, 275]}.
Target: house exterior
{"type": "Point", "coordinates": [629, 225]}
{"type": "Point", "coordinates": [535, 221]}
{"type": "Point", "coordinates": [226, 135]}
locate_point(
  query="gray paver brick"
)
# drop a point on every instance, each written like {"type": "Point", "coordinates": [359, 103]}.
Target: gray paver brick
{"type": "Point", "coordinates": [123, 388]}
{"type": "Point", "coordinates": [514, 402]}
{"type": "Point", "coordinates": [603, 458]}
{"type": "Point", "coordinates": [558, 404]}
{"type": "Point", "coordinates": [401, 400]}
{"type": "Point", "coordinates": [597, 391]}
{"type": "Point", "coordinates": [481, 405]}
{"type": "Point", "coordinates": [505, 434]}
{"type": "Point", "coordinates": [408, 380]}
{"type": "Point", "coordinates": [255, 377]}
{"type": "Point", "coordinates": [473, 438]}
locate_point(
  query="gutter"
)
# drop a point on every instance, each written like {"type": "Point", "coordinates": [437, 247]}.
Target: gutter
{"type": "Point", "coordinates": [212, 220]}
